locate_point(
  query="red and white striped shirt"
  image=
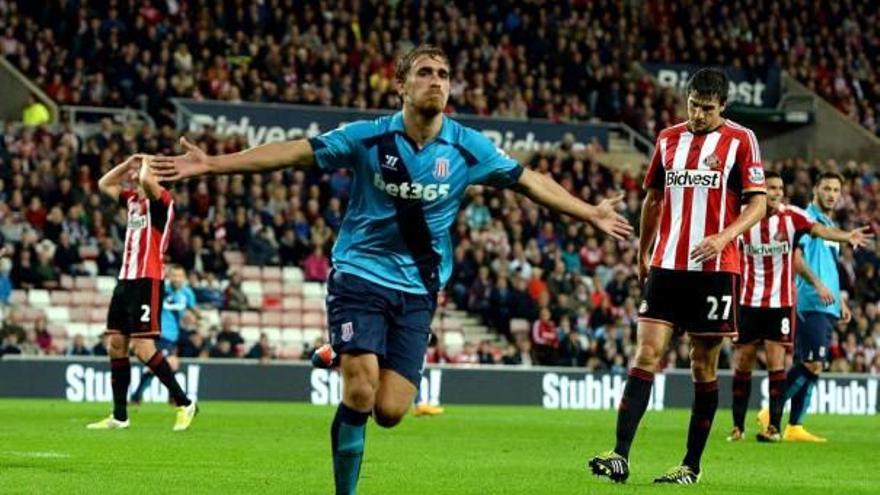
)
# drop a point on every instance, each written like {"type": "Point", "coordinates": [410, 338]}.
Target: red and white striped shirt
{"type": "Point", "coordinates": [768, 250]}
{"type": "Point", "coordinates": [146, 238]}
{"type": "Point", "coordinates": [703, 178]}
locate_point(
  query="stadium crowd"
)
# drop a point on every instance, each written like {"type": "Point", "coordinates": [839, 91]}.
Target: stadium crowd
{"type": "Point", "coordinates": [515, 59]}
{"type": "Point", "coordinates": [513, 261]}
{"type": "Point", "coordinates": [558, 60]}
{"type": "Point", "coordinates": [520, 60]}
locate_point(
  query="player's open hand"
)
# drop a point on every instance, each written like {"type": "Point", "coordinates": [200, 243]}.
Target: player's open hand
{"type": "Point", "coordinates": [824, 294]}
{"type": "Point", "coordinates": [860, 237]}
{"type": "Point", "coordinates": [609, 221]}
{"type": "Point", "coordinates": [192, 163]}
{"type": "Point", "coordinates": [710, 247]}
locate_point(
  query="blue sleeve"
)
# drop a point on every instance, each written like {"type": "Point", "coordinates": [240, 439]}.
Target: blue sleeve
{"type": "Point", "coordinates": [338, 149]}
{"type": "Point", "coordinates": [493, 166]}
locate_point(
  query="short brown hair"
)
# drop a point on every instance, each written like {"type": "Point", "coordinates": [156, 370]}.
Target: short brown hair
{"type": "Point", "coordinates": [404, 64]}
{"type": "Point", "coordinates": [829, 174]}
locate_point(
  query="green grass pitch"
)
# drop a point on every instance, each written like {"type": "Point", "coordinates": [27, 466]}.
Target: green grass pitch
{"type": "Point", "coordinates": [284, 448]}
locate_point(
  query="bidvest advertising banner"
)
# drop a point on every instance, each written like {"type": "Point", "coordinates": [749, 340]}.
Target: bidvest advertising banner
{"type": "Point", "coordinates": [264, 122]}
{"type": "Point", "coordinates": [746, 87]}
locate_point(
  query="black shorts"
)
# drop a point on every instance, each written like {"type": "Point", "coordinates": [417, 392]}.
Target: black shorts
{"type": "Point", "coordinates": [814, 338]}
{"type": "Point", "coordinates": [136, 308]}
{"type": "Point", "coordinates": [699, 303]}
{"type": "Point", "coordinates": [757, 325]}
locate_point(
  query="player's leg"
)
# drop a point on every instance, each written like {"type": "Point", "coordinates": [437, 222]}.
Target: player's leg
{"type": "Point", "coordinates": [652, 339]}
{"type": "Point", "coordinates": [393, 398]}
{"type": "Point", "coordinates": [143, 385]}
{"type": "Point", "coordinates": [404, 357]}
{"type": "Point", "coordinates": [360, 380]}
{"type": "Point", "coordinates": [169, 350]}
{"type": "Point", "coordinates": [776, 376]}
{"type": "Point", "coordinates": [744, 357]}
{"type": "Point", "coordinates": [422, 405]}
{"type": "Point", "coordinates": [356, 314]}
{"type": "Point", "coordinates": [120, 379]}
{"type": "Point", "coordinates": [811, 347]}
{"type": "Point", "coordinates": [145, 350]}
{"type": "Point", "coordinates": [704, 365]}
{"type": "Point", "coordinates": [120, 367]}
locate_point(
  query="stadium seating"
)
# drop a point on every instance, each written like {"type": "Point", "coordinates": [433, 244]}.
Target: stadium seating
{"type": "Point", "coordinates": [513, 78]}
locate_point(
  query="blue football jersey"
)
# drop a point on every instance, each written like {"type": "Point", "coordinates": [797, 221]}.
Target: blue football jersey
{"type": "Point", "coordinates": [404, 199]}
{"type": "Point", "coordinates": [173, 307]}
{"type": "Point", "coordinates": [821, 256]}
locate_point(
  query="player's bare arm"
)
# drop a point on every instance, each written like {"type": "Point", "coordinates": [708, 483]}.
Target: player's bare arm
{"type": "Point", "coordinates": [264, 158]}
{"type": "Point", "coordinates": [845, 313]}
{"type": "Point", "coordinates": [547, 192]}
{"type": "Point", "coordinates": [857, 238]}
{"type": "Point", "coordinates": [648, 225]}
{"type": "Point", "coordinates": [804, 271]}
{"type": "Point", "coordinates": [148, 181]}
{"type": "Point", "coordinates": [712, 245]}
{"type": "Point", "coordinates": [111, 183]}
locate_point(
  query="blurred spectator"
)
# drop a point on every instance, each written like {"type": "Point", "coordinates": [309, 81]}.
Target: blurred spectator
{"type": "Point", "coordinates": [78, 347]}
{"type": "Point", "coordinates": [10, 344]}
{"type": "Point", "coordinates": [501, 307]}
{"type": "Point", "coordinates": [30, 346]}
{"type": "Point", "coordinates": [234, 298]}
{"type": "Point", "coordinates": [545, 340]}
{"type": "Point", "coordinates": [5, 281]}
{"type": "Point", "coordinates": [193, 345]}
{"type": "Point", "coordinates": [12, 325]}
{"type": "Point", "coordinates": [571, 350]}
{"type": "Point", "coordinates": [316, 266]}
{"type": "Point", "coordinates": [100, 347]}
{"type": "Point", "coordinates": [262, 249]}
{"type": "Point", "coordinates": [261, 350]}
{"type": "Point", "coordinates": [511, 356]}
{"type": "Point", "coordinates": [44, 338]}
{"type": "Point", "coordinates": [291, 250]}
{"type": "Point", "coordinates": [229, 333]}
{"type": "Point", "coordinates": [109, 262]}
{"type": "Point", "coordinates": [222, 349]}
{"type": "Point", "coordinates": [468, 354]}
{"type": "Point", "coordinates": [485, 353]}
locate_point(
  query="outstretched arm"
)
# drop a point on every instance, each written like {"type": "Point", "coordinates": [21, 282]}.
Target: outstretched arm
{"type": "Point", "coordinates": [547, 192]}
{"type": "Point", "coordinates": [263, 158]}
{"type": "Point", "coordinates": [148, 180]}
{"type": "Point", "coordinates": [856, 238]}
